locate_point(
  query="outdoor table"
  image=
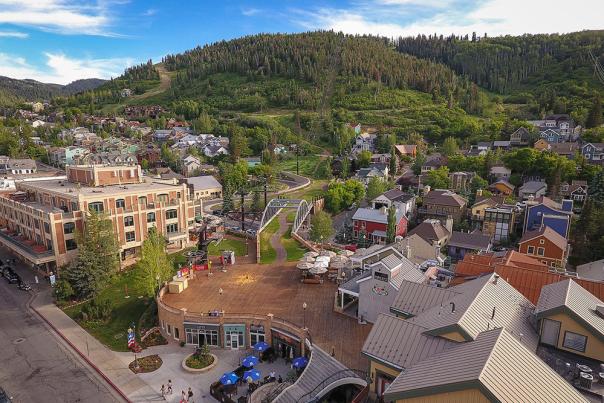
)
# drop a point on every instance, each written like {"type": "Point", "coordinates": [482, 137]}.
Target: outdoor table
{"type": "Point", "coordinates": [586, 380]}
{"type": "Point", "coordinates": [584, 368]}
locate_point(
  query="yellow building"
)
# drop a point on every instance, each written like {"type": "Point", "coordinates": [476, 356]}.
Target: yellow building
{"type": "Point", "coordinates": [570, 319]}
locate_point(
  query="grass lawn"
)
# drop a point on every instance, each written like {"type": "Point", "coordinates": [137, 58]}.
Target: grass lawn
{"type": "Point", "coordinates": [267, 253]}
{"type": "Point", "coordinates": [295, 251]}
{"type": "Point", "coordinates": [236, 245]}
{"type": "Point", "coordinates": [314, 189]}
{"type": "Point", "coordinates": [308, 163]}
{"type": "Point", "coordinates": [291, 216]}
{"type": "Point", "coordinates": [125, 310]}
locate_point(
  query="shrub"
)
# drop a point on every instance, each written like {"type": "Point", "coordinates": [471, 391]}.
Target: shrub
{"type": "Point", "coordinates": [97, 310]}
{"type": "Point", "coordinates": [63, 290]}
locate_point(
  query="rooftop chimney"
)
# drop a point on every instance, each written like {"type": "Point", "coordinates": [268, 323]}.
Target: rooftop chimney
{"type": "Point", "coordinates": [493, 314]}
{"type": "Point", "coordinates": [495, 279]}
{"type": "Point", "coordinates": [452, 307]}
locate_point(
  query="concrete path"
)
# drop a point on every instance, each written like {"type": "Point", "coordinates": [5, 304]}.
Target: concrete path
{"type": "Point", "coordinates": [104, 359]}
{"type": "Point", "coordinates": [281, 253]}
{"type": "Point", "coordinates": [171, 369]}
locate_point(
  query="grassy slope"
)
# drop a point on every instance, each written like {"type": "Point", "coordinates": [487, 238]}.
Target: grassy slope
{"type": "Point", "coordinates": [125, 310]}
{"type": "Point", "coordinates": [267, 253]}
{"type": "Point", "coordinates": [238, 246]}
{"type": "Point", "coordinates": [294, 250]}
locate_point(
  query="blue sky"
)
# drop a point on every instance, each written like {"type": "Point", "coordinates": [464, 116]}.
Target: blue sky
{"type": "Point", "coordinates": [63, 40]}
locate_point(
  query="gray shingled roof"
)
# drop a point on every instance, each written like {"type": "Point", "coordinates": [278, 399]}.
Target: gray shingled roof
{"type": "Point", "coordinates": [496, 363]}
{"type": "Point", "coordinates": [532, 186]}
{"type": "Point", "coordinates": [414, 298]}
{"type": "Point", "coordinates": [444, 198]}
{"type": "Point", "coordinates": [568, 296]}
{"type": "Point", "coordinates": [474, 241]}
{"type": "Point", "coordinates": [401, 343]}
{"type": "Point", "coordinates": [430, 230]}
{"type": "Point", "coordinates": [474, 308]}
{"type": "Point", "coordinates": [352, 285]}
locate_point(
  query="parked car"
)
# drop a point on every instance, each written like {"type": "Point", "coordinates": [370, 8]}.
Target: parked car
{"type": "Point", "coordinates": [10, 275]}
{"type": "Point", "coordinates": [23, 286]}
{"type": "Point", "coordinates": [4, 397]}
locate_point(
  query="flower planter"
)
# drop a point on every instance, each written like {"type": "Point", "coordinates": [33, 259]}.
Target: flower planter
{"type": "Point", "coordinates": [200, 370]}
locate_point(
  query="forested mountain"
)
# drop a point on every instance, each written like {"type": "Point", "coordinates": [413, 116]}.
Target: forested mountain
{"type": "Point", "coordinates": [554, 71]}
{"type": "Point", "coordinates": [31, 90]}
{"type": "Point", "coordinates": [319, 58]}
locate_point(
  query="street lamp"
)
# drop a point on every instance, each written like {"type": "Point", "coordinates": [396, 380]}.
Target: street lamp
{"type": "Point", "coordinates": [158, 284]}
{"type": "Point", "coordinates": [220, 292]}
{"type": "Point", "coordinates": [304, 306]}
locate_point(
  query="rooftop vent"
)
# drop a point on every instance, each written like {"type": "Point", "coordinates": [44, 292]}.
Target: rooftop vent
{"type": "Point", "coordinates": [600, 310]}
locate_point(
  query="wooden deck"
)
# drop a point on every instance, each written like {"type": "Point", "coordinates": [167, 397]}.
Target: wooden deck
{"type": "Point", "coordinates": [276, 289]}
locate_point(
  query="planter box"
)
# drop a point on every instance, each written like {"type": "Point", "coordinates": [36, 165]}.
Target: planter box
{"type": "Point", "coordinates": [201, 370]}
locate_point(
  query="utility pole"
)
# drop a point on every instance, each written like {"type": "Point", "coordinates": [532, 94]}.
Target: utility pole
{"type": "Point", "coordinates": [242, 192]}
{"type": "Point", "coordinates": [265, 195]}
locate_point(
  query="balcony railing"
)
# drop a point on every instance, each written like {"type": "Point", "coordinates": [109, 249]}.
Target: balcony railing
{"type": "Point", "coordinates": [37, 256]}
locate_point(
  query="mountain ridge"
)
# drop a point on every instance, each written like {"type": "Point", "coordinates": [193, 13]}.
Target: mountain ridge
{"type": "Point", "coordinates": [32, 90]}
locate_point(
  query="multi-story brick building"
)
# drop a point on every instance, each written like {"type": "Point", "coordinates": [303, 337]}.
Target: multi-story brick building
{"type": "Point", "coordinates": [39, 221]}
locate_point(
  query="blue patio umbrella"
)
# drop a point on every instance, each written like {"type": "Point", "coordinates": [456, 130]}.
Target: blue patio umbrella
{"type": "Point", "coordinates": [229, 378]}
{"type": "Point", "coordinates": [261, 346]}
{"type": "Point", "coordinates": [299, 362]}
{"type": "Point", "coordinates": [254, 374]}
{"type": "Point", "coordinates": [250, 361]}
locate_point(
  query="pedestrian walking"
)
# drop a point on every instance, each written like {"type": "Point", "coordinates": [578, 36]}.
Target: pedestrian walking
{"type": "Point", "coordinates": [190, 395]}
{"type": "Point", "coordinates": [170, 386]}
{"type": "Point", "coordinates": [163, 391]}
{"type": "Point", "coordinates": [183, 397]}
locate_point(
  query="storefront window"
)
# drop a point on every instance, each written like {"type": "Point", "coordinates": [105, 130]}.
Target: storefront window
{"type": "Point", "coordinates": [256, 334]}
{"type": "Point", "coordinates": [234, 336]}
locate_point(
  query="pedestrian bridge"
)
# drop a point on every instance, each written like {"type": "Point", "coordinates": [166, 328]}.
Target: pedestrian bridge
{"type": "Point", "coordinates": [274, 207]}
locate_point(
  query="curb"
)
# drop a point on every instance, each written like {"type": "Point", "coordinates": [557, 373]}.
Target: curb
{"type": "Point", "coordinates": [80, 353]}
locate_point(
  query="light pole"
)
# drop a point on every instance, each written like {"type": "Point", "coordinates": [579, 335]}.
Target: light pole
{"type": "Point", "coordinates": [304, 306]}
{"type": "Point", "coordinates": [158, 284]}
{"type": "Point", "coordinates": [220, 293]}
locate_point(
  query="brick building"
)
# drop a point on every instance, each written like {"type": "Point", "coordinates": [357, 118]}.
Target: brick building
{"type": "Point", "coordinates": [39, 221]}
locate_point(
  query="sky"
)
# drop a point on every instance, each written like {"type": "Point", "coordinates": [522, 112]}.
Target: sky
{"type": "Point", "coordinates": [59, 41]}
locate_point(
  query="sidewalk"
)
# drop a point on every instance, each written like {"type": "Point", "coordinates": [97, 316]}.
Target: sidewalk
{"type": "Point", "coordinates": [104, 359]}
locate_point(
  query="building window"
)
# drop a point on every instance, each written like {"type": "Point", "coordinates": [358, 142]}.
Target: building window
{"type": "Point", "coordinates": [128, 221]}
{"type": "Point", "coordinates": [96, 206]}
{"type": "Point", "coordinates": [69, 227]}
{"type": "Point", "coordinates": [530, 250]}
{"type": "Point", "coordinates": [541, 251]}
{"type": "Point", "coordinates": [192, 336]}
{"type": "Point", "coordinates": [541, 242]}
{"type": "Point", "coordinates": [130, 236]}
{"type": "Point", "coordinates": [142, 200]}
{"type": "Point", "coordinates": [574, 341]}
{"type": "Point", "coordinates": [47, 228]}
{"type": "Point", "coordinates": [70, 244]}
{"type": "Point", "coordinates": [163, 198]}
{"type": "Point", "coordinates": [176, 335]}
{"type": "Point", "coordinates": [169, 329]}
{"type": "Point", "coordinates": [256, 334]}
{"type": "Point", "coordinates": [150, 217]}
{"type": "Point", "coordinates": [171, 214]}
{"type": "Point", "coordinates": [120, 203]}
{"type": "Point", "coordinates": [171, 228]}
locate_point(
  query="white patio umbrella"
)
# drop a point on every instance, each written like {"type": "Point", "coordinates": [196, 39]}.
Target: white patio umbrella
{"type": "Point", "coordinates": [328, 253]}
{"type": "Point", "coordinates": [321, 264]}
{"type": "Point", "coordinates": [346, 252]}
{"type": "Point", "coordinates": [305, 266]}
{"type": "Point", "coordinates": [311, 254]}
{"type": "Point", "coordinates": [307, 259]}
{"type": "Point", "coordinates": [325, 259]}
{"type": "Point", "coordinates": [318, 270]}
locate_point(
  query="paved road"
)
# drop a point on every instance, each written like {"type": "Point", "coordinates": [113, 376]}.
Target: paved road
{"type": "Point", "coordinates": [35, 365]}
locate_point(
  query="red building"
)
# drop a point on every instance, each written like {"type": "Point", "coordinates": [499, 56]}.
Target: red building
{"type": "Point", "coordinates": [373, 223]}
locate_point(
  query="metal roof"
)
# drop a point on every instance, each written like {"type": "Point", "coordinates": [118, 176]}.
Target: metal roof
{"type": "Point", "coordinates": [352, 285]}
{"type": "Point", "coordinates": [474, 241]}
{"type": "Point", "coordinates": [570, 296]}
{"type": "Point", "coordinates": [204, 182]}
{"type": "Point", "coordinates": [400, 343]}
{"type": "Point", "coordinates": [495, 363]}
{"type": "Point", "coordinates": [320, 367]}
{"type": "Point", "coordinates": [414, 298]}
{"type": "Point", "coordinates": [547, 233]}
{"type": "Point", "coordinates": [473, 311]}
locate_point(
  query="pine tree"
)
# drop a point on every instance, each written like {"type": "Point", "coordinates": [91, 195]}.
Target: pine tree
{"type": "Point", "coordinates": [155, 263]}
{"type": "Point", "coordinates": [393, 163]}
{"type": "Point", "coordinates": [594, 118]}
{"type": "Point", "coordinates": [256, 202]}
{"type": "Point", "coordinates": [596, 189]}
{"type": "Point", "coordinates": [98, 257]}
{"type": "Point", "coordinates": [391, 230]}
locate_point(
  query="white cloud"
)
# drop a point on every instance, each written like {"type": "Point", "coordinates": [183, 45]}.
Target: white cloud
{"type": "Point", "coordinates": [13, 34]}
{"type": "Point", "coordinates": [495, 17]}
{"type": "Point", "coordinates": [248, 12]}
{"type": "Point", "coordinates": [63, 16]}
{"type": "Point", "coordinates": [61, 69]}
{"type": "Point", "coordinates": [150, 12]}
